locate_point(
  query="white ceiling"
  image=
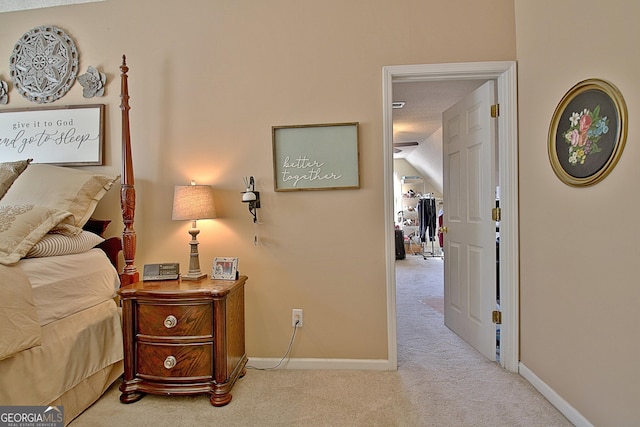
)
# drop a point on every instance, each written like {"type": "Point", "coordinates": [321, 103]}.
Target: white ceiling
{"type": "Point", "coordinates": [420, 120]}
{"type": "Point", "coordinates": [14, 5]}
{"type": "Point", "coordinates": [424, 102]}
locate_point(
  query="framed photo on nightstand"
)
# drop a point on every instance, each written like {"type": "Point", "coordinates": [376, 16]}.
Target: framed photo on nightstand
{"type": "Point", "coordinates": [224, 268]}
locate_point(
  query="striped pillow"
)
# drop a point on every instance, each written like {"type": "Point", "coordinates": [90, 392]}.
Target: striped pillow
{"type": "Point", "coordinates": [59, 244]}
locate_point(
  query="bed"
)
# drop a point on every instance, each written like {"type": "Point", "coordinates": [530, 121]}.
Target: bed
{"type": "Point", "coordinates": [61, 333]}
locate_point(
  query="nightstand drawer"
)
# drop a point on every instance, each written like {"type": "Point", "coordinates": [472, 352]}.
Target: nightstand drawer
{"type": "Point", "coordinates": [171, 361]}
{"type": "Point", "coordinates": [175, 319]}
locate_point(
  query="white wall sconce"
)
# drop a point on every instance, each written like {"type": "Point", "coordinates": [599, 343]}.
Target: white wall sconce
{"type": "Point", "coordinates": [251, 196]}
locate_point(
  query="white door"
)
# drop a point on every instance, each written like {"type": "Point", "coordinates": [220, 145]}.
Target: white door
{"type": "Point", "coordinates": [469, 141]}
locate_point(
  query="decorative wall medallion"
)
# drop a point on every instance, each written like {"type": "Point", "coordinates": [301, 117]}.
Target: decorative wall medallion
{"type": "Point", "coordinates": [44, 64]}
{"type": "Point", "coordinates": [92, 82]}
{"type": "Point", "coordinates": [4, 92]}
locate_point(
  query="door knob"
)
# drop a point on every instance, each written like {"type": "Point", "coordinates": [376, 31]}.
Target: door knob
{"type": "Point", "coordinates": [444, 230]}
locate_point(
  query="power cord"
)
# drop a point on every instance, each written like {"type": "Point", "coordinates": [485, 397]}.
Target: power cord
{"type": "Point", "coordinates": [293, 336]}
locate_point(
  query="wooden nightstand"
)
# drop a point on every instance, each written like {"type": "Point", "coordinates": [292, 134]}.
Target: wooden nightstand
{"type": "Point", "coordinates": [183, 338]}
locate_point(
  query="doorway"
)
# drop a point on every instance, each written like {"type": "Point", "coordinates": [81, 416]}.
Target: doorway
{"type": "Point", "coordinates": [504, 73]}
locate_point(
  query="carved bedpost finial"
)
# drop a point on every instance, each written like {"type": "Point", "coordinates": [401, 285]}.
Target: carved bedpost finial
{"type": "Point", "coordinates": [123, 67]}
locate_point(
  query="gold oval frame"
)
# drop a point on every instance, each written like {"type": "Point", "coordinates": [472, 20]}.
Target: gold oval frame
{"type": "Point", "coordinates": [620, 137]}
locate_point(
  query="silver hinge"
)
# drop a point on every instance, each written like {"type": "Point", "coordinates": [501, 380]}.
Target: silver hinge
{"type": "Point", "coordinates": [496, 214]}
{"type": "Point", "coordinates": [496, 317]}
{"type": "Point", "coordinates": [495, 110]}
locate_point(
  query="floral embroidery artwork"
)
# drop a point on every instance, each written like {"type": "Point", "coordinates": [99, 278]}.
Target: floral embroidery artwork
{"type": "Point", "coordinates": [587, 127]}
{"type": "Point", "coordinates": [588, 132]}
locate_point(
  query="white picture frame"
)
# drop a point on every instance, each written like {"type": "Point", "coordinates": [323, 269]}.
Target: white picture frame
{"type": "Point", "coordinates": [70, 135]}
{"type": "Point", "coordinates": [224, 268]}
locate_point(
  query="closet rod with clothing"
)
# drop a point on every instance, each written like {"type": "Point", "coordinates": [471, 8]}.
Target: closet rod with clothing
{"type": "Point", "coordinates": [427, 218]}
{"type": "Point", "coordinates": [427, 221]}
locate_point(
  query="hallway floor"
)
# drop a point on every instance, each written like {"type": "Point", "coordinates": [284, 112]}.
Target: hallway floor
{"type": "Point", "coordinates": [441, 367]}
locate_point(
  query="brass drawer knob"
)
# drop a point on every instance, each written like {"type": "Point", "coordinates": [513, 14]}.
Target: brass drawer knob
{"type": "Point", "coordinates": [170, 362]}
{"type": "Point", "coordinates": [170, 321]}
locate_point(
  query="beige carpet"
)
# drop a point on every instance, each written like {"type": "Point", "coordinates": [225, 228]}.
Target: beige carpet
{"type": "Point", "coordinates": [440, 381]}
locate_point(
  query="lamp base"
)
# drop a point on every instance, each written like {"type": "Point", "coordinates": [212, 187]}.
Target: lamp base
{"type": "Point", "coordinates": [193, 276]}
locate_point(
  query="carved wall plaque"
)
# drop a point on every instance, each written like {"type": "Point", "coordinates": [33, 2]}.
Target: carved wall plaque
{"type": "Point", "coordinates": [44, 64]}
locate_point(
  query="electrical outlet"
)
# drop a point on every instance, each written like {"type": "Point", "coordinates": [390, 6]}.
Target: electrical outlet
{"type": "Point", "coordinates": [296, 317]}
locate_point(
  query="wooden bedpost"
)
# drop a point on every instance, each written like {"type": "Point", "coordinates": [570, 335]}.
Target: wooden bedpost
{"type": "Point", "coordinates": [127, 192]}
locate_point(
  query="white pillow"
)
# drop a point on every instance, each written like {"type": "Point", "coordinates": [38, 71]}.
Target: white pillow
{"type": "Point", "coordinates": [61, 188]}
{"type": "Point", "coordinates": [9, 172]}
{"type": "Point", "coordinates": [22, 226]}
{"type": "Point", "coordinates": [57, 244]}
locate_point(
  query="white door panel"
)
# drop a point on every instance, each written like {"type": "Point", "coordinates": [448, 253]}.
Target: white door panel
{"type": "Point", "coordinates": [454, 296]}
{"type": "Point", "coordinates": [469, 195]}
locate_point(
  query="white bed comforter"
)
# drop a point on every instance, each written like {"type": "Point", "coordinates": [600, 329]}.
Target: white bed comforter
{"type": "Point", "coordinates": [38, 291]}
{"type": "Point", "coordinates": [64, 285]}
{"type": "Point", "coordinates": [18, 316]}
{"type": "Point", "coordinates": [58, 327]}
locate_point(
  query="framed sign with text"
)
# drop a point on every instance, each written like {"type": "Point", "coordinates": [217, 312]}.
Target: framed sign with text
{"type": "Point", "coordinates": [316, 157]}
{"type": "Point", "coordinates": [70, 136]}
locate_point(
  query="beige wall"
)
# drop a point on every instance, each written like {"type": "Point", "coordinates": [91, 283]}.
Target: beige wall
{"type": "Point", "coordinates": [579, 302]}
{"type": "Point", "coordinates": [208, 79]}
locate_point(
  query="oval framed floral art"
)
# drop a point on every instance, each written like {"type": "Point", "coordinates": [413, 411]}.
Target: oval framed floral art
{"type": "Point", "coordinates": [587, 133]}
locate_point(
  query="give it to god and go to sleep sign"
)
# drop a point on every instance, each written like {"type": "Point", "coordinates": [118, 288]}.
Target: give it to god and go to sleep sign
{"type": "Point", "coordinates": [316, 157]}
{"type": "Point", "coordinates": [71, 135]}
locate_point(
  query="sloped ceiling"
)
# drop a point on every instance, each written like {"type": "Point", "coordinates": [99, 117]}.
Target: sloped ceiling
{"type": "Point", "coordinates": [426, 158]}
{"type": "Point", "coordinates": [420, 120]}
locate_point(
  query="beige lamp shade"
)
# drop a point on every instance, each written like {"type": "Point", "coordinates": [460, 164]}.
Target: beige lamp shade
{"type": "Point", "coordinates": [193, 202]}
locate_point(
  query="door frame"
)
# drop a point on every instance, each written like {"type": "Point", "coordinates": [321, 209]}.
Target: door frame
{"type": "Point", "coordinates": [504, 73]}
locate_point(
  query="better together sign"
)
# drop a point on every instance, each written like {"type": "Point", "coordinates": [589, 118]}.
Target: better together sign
{"type": "Point", "coordinates": [316, 157]}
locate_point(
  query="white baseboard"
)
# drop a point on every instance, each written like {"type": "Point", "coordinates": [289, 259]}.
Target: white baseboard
{"type": "Point", "coordinates": [311, 363]}
{"type": "Point", "coordinates": [556, 400]}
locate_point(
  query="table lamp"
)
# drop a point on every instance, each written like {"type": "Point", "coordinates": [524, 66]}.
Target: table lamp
{"type": "Point", "coordinates": [193, 202]}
